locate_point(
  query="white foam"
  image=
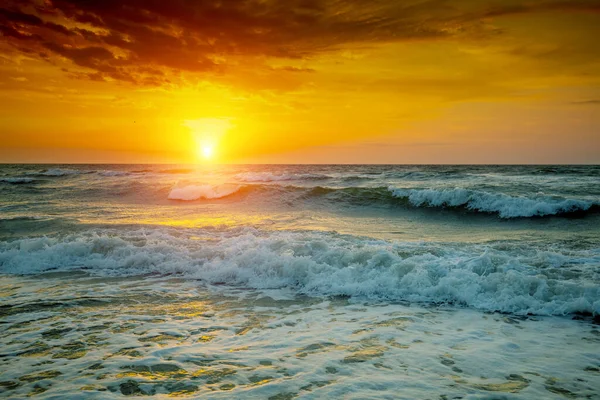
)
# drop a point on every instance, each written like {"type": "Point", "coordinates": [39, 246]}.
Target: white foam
{"type": "Point", "coordinates": [273, 177]}
{"type": "Point", "coordinates": [315, 349]}
{"type": "Point", "coordinates": [195, 192]}
{"type": "Point", "coordinates": [504, 277]}
{"type": "Point", "coordinates": [504, 205]}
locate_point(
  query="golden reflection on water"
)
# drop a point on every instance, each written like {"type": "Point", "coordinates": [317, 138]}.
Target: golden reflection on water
{"type": "Point", "coordinates": [144, 337]}
{"type": "Point", "coordinates": [224, 221]}
{"type": "Point", "coordinates": [199, 220]}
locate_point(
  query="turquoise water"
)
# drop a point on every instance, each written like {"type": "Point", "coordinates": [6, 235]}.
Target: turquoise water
{"type": "Point", "coordinates": [299, 281]}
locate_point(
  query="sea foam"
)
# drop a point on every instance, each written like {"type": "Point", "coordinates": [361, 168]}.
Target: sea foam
{"type": "Point", "coordinates": [516, 278]}
{"type": "Point", "coordinates": [504, 205]}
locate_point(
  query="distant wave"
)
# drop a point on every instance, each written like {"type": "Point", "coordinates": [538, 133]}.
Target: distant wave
{"type": "Point", "coordinates": [196, 192]}
{"type": "Point", "coordinates": [173, 171]}
{"type": "Point", "coordinates": [17, 180]}
{"type": "Point", "coordinates": [60, 172]}
{"type": "Point", "coordinates": [111, 173]}
{"type": "Point", "coordinates": [349, 178]}
{"type": "Point", "coordinates": [272, 177]}
{"type": "Point", "coordinates": [493, 277]}
{"type": "Point", "coordinates": [497, 203]}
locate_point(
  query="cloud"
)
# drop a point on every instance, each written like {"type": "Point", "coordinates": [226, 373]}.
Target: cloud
{"type": "Point", "coordinates": [116, 38]}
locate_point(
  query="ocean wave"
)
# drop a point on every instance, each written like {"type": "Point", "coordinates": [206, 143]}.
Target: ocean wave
{"type": "Point", "coordinates": [497, 203]}
{"type": "Point", "coordinates": [17, 180]}
{"type": "Point", "coordinates": [173, 171]}
{"type": "Point", "coordinates": [196, 192]}
{"type": "Point", "coordinates": [474, 201]}
{"type": "Point", "coordinates": [516, 278]}
{"type": "Point", "coordinates": [359, 177]}
{"type": "Point", "coordinates": [60, 172]}
{"type": "Point", "coordinates": [361, 196]}
{"type": "Point", "coordinates": [274, 177]}
{"type": "Point", "coordinates": [111, 173]}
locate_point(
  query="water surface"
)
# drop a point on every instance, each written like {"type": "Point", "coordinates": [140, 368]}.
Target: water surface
{"type": "Point", "coordinates": [299, 281]}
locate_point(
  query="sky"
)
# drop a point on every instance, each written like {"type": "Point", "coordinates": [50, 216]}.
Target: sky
{"type": "Point", "coordinates": [300, 81]}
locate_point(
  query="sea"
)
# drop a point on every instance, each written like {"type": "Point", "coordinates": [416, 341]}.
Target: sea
{"type": "Point", "coordinates": [300, 281]}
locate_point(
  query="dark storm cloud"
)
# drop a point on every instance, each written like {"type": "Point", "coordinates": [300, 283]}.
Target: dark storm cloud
{"type": "Point", "coordinates": [115, 38]}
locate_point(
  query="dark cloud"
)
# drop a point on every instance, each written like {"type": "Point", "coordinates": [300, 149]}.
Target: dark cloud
{"type": "Point", "coordinates": [10, 32]}
{"type": "Point", "coordinates": [19, 19]}
{"type": "Point", "coordinates": [114, 38]}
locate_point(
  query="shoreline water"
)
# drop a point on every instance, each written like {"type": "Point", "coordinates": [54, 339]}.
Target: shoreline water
{"type": "Point", "coordinates": [168, 337]}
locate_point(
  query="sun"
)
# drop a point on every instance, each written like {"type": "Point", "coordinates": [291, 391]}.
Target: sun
{"type": "Point", "coordinates": [207, 151]}
{"type": "Point", "coordinates": [207, 133]}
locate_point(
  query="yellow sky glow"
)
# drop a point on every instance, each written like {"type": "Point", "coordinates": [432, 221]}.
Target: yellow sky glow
{"type": "Point", "coordinates": [302, 82]}
{"type": "Point", "coordinates": [207, 134]}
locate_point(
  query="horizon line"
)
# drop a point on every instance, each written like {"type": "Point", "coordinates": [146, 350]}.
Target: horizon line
{"type": "Point", "coordinates": [381, 164]}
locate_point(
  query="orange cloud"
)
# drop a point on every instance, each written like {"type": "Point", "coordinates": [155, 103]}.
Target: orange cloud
{"type": "Point", "coordinates": [137, 40]}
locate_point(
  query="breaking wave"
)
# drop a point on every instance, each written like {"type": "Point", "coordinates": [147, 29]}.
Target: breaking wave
{"type": "Point", "coordinates": [502, 205]}
{"type": "Point", "coordinates": [507, 277]}
{"type": "Point", "coordinates": [497, 203]}
{"type": "Point", "coordinates": [196, 192]}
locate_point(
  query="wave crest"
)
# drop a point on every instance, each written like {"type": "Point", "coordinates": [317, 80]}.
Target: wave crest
{"type": "Point", "coordinates": [497, 203]}
{"type": "Point", "coordinates": [492, 277]}
{"type": "Point", "coordinates": [196, 192]}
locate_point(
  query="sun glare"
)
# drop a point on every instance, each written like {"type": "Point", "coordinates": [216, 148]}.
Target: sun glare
{"type": "Point", "coordinates": [207, 133]}
{"type": "Point", "coordinates": [207, 151]}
